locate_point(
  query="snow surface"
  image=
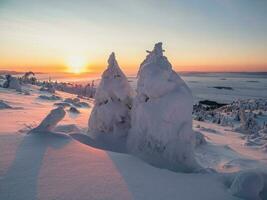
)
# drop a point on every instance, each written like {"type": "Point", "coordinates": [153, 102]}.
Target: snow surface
{"type": "Point", "coordinates": [161, 129]}
{"type": "Point", "coordinates": [53, 166]}
{"type": "Point", "coordinates": [48, 166]}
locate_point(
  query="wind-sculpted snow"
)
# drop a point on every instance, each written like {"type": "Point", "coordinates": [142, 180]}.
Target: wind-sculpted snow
{"type": "Point", "coordinates": [113, 98]}
{"type": "Point", "coordinates": [51, 120]}
{"type": "Point", "coordinates": [4, 105]}
{"type": "Point", "coordinates": [161, 131]}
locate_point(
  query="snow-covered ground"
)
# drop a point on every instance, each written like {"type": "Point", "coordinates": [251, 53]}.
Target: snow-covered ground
{"type": "Point", "coordinates": [57, 166]}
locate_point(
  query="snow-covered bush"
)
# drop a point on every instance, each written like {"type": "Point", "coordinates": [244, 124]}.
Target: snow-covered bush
{"type": "Point", "coordinates": [248, 185]}
{"type": "Point", "coordinates": [48, 88]}
{"type": "Point", "coordinates": [51, 120]}
{"type": "Point", "coordinates": [12, 83]}
{"type": "Point", "coordinates": [248, 124]}
{"type": "Point", "coordinates": [161, 131]}
{"type": "Point", "coordinates": [51, 98]}
{"type": "Point", "coordinates": [113, 99]}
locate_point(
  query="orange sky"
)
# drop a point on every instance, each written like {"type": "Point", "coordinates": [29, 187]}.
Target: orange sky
{"type": "Point", "coordinates": [78, 37]}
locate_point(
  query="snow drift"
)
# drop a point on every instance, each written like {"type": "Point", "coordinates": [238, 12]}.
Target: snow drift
{"type": "Point", "coordinates": [51, 120]}
{"type": "Point", "coordinates": [113, 98]}
{"type": "Point", "coordinates": [161, 129]}
{"type": "Point", "coordinates": [4, 105]}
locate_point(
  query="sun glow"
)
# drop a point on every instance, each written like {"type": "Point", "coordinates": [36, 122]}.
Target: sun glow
{"type": "Point", "coordinates": [77, 64]}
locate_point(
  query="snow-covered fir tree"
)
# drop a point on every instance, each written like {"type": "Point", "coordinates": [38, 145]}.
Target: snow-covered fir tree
{"type": "Point", "coordinates": [12, 83]}
{"type": "Point", "coordinates": [113, 101]}
{"type": "Point", "coordinates": [161, 131]}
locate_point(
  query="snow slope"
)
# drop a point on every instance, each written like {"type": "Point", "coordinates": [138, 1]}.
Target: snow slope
{"type": "Point", "coordinates": [49, 166]}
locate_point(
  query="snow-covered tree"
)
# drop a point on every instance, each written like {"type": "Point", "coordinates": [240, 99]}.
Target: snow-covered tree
{"type": "Point", "coordinates": [161, 129]}
{"type": "Point", "coordinates": [113, 99]}
{"type": "Point", "coordinates": [248, 124]}
{"type": "Point", "coordinates": [12, 83]}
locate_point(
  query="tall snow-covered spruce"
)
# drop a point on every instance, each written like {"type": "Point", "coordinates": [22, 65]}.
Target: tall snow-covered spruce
{"type": "Point", "coordinates": [161, 129]}
{"type": "Point", "coordinates": [113, 101]}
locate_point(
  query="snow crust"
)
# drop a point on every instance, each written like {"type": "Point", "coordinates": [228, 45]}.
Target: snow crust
{"type": "Point", "coordinates": [161, 129]}
{"type": "Point", "coordinates": [113, 99]}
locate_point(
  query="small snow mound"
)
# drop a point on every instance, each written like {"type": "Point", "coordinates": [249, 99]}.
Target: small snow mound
{"type": "Point", "coordinates": [248, 185]}
{"type": "Point", "coordinates": [113, 99]}
{"type": "Point", "coordinates": [62, 104]}
{"type": "Point", "coordinates": [69, 128]}
{"type": "Point", "coordinates": [26, 93]}
{"type": "Point", "coordinates": [161, 129]}
{"type": "Point", "coordinates": [48, 88]}
{"type": "Point", "coordinates": [72, 100]}
{"type": "Point", "coordinates": [50, 98]}
{"type": "Point", "coordinates": [84, 104]}
{"type": "Point", "coordinates": [74, 110]}
{"type": "Point", "coordinates": [4, 105]}
{"type": "Point", "coordinates": [51, 120]}
{"type": "Point", "coordinates": [76, 102]}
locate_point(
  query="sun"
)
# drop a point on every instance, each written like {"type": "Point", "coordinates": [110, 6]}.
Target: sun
{"type": "Point", "coordinates": [77, 64]}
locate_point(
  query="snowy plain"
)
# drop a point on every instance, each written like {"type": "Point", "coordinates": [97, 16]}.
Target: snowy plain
{"type": "Point", "coordinates": [60, 167]}
{"type": "Point", "coordinates": [244, 85]}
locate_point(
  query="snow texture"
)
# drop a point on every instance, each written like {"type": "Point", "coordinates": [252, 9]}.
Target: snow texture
{"type": "Point", "coordinates": [51, 120]}
{"type": "Point", "coordinates": [111, 113]}
{"type": "Point", "coordinates": [161, 129]}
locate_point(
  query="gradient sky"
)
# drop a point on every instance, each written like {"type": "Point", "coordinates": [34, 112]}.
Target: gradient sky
{"type": "Point", "coordinates": [206, 35]}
